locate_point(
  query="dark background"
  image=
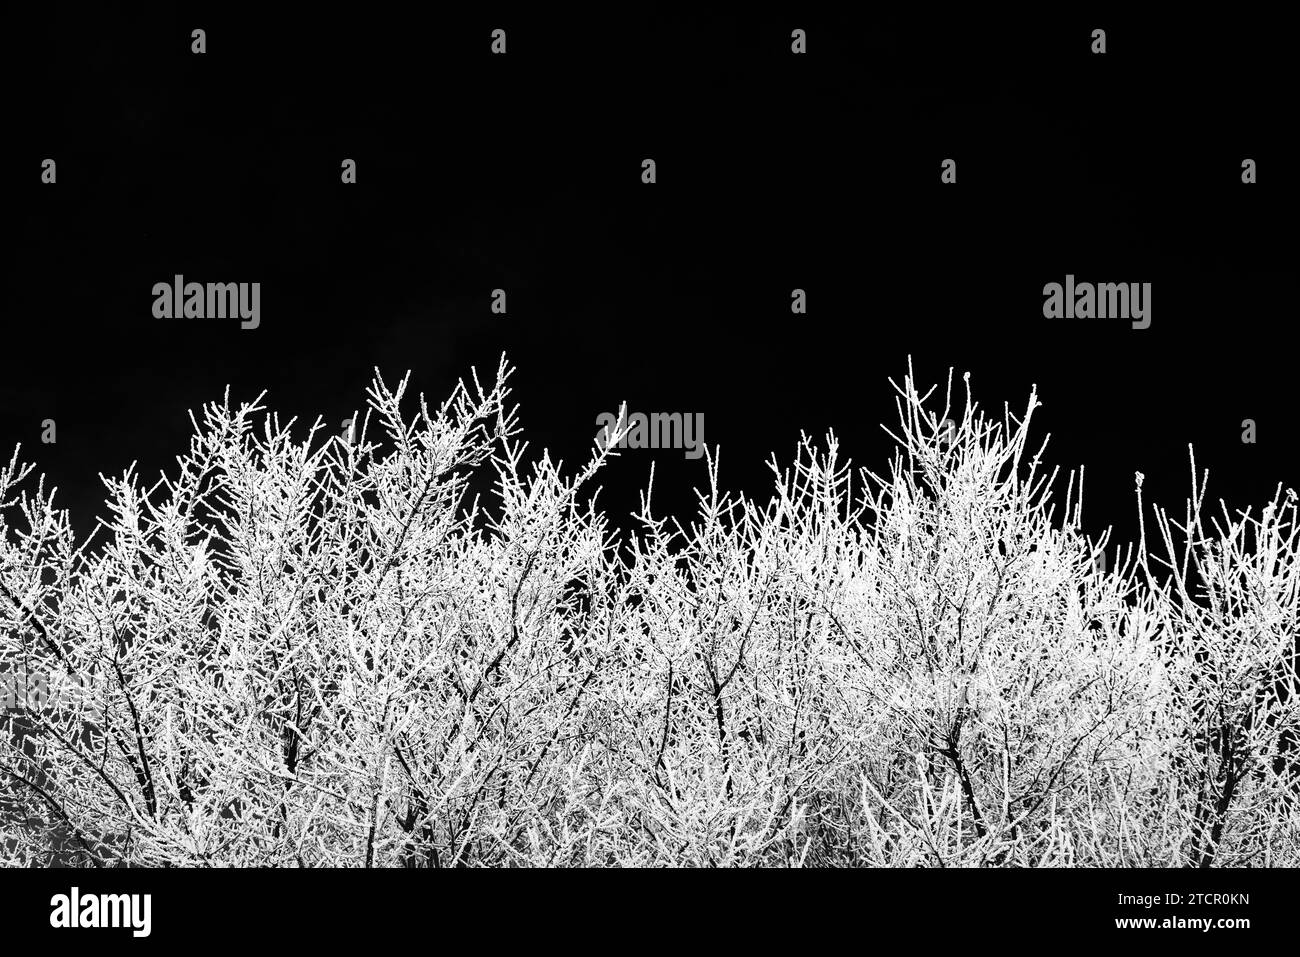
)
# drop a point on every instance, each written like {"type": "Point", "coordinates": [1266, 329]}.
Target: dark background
{"type": "Point", "coordinates": [775, 171]}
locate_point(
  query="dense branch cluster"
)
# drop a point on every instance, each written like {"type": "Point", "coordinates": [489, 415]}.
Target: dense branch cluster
{"type": "Point", "coordinates": [322, 651]}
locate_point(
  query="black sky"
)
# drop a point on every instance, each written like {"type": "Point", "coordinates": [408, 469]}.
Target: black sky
{"type": "Point", "coordinates": [775, 171]}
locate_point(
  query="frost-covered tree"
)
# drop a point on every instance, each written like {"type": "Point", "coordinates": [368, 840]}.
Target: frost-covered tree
{"type": "Point", "coordinates": [1230, 607]}
{"type": "Point", "coordinates": [323, 650]}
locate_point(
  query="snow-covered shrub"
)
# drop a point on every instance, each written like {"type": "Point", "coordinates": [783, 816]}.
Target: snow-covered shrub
{"type": "Point", "coordinates": [320, 650]}
{"type": "Point", "coordinates": [1230, 609]}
